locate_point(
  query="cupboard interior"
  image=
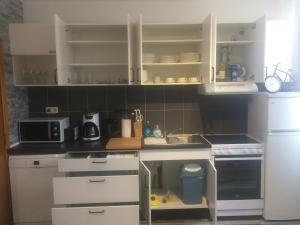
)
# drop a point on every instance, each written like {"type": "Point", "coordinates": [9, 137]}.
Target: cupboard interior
{"type": "Point", "coordinates": [97, 54]}
{"type": "Point", "coordinates": [235, 45]}
{"type": "Point", "coordinates": [34, 69]}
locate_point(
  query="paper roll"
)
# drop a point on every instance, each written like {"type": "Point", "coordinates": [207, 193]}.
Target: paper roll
{"type": "Point", "coordinates": [126, 128]}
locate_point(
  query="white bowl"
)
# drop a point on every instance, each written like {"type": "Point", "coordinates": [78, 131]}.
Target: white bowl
{"type": "Point", "coordinates": [193, 79]}
{"type": "Point", "coordinates": [170, 80]}
{"type": "Point", "coordinates": [181, 79]}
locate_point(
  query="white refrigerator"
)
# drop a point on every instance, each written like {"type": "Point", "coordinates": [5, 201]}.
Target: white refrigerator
{"type": "Point", "coordinates": [275, 119]}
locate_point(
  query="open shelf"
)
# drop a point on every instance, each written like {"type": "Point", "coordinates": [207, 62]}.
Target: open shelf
{"type": "Point", "coordinates": [100, 42]}
{"type": "Point", "coordinates": [97, 64]}
{"type": "Point", "coordinates": [175, 83]}
{"type": "Point", "coordinates": [234, 43]}
{"type": "Point", "coordinates": [175, 202]}
{"type": "Point", "coordinates": [177, 41]}
{"type": "Point", "coordinates": [172, 64]}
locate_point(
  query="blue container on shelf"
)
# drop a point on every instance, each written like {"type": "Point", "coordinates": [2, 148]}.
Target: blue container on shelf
{"type": "Point", "coordinates": [192, 183]}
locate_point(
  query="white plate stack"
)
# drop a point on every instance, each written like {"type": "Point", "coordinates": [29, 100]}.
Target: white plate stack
{"type": "Point", "coordinates": [149, 58]}
{"type": "Point", "coordinates": [168, 59]}
{"type": "Point", "coordinates": [189, 57]}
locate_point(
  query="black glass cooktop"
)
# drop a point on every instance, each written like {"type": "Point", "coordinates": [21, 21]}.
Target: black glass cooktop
{"type": "Point", "coordinates": [229, 139]}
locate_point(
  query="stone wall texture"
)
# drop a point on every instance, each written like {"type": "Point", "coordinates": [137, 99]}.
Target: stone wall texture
{"type": "Point", "coordinates": [11, 11]}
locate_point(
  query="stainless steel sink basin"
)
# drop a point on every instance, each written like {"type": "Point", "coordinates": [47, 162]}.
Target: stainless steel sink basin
{"type": "Point", "coordinates": [176, 139]}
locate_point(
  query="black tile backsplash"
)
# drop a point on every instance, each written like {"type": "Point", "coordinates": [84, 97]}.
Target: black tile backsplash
{"type": "Point", "coordinates": [177, 108]}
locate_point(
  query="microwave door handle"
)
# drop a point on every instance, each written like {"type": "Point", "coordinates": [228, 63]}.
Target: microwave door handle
{"type": "Point", "coordinates": [49, 131]}
{"type": "Point", "coordinates": [239, 159]}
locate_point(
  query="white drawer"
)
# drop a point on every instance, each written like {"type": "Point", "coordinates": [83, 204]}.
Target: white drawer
{"type": "Point", "coordinates": [107, 215]}
{"type": "Point", "coordinates": [96, 189]}
{"type": "Point", "coordinates": [98, 164]}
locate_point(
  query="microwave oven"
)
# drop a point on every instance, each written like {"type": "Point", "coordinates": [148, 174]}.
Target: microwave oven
{"type": "Point", "coordinates": [43, 130]}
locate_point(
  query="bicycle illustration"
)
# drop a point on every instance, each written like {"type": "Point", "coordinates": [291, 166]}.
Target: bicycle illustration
{"type": "Point", "coordinates": [275, 83]}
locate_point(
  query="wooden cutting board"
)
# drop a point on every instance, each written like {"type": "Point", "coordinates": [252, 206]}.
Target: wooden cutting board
{"type": "Point", "coordinates": [124, 143]}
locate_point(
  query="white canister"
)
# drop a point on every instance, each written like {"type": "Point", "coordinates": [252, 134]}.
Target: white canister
{"type": "Point", "coordinates": [126, 128]}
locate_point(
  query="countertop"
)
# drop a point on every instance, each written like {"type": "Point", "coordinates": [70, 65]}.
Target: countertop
{"type": "Point", "coordinates": [49, 148]}
{"type": "Point", "coordinates": [56, 148]}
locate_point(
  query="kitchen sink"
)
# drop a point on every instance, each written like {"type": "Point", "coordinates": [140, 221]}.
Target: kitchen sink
{"type": "Point", "coordinates": [180, 139]}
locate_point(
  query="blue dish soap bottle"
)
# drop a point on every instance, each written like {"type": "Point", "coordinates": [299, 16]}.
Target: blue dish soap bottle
{"type": "Point", "coordinates": [157, 132]}
{"type": "Point", "coordinates": [147, 129]}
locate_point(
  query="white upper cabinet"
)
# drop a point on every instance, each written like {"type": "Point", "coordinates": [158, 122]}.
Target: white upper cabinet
{"type": "Point", "coordinates": [33, 54]}
{"type": "Point", "coordinates": [240, 51]}
{"type": "Point", "coordinates": [208, 50]}
{"type": "Point", "coordinates": [238, 58]}
{"type": "Point", "coordinates": [93, 54]}
{"type": "Point", "coordinates": [31, 39]}
{"type": "Point", "coordinates": [171, 54]}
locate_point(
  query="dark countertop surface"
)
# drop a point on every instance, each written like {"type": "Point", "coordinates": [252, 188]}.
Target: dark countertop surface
{"type": "Point", "coordinates": [57, 148]}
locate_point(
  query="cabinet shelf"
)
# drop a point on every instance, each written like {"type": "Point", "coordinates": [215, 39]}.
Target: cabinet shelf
{"type": "Point", "coordinates": [175, 83]}
{"type": "Point", "coordinates": [96, 64]}
{"type": "Point", "coordinates": [172, 41]}
{"type": "Point", "coordinates": [176, 203]}
{"type": "Point", "coordinates": [234, 43]}
{"type": "Point", "coordinates": [172, 64]}
{"type": "Point", "coordinates": [87, 42]}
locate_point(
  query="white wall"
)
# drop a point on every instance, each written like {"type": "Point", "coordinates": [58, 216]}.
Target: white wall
{"type": "Point", "coordinates": [114, 11]}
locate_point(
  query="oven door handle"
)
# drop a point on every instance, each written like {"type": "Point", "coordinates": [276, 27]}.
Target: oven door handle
{"type": "Point", "coordinates": [238, 159]}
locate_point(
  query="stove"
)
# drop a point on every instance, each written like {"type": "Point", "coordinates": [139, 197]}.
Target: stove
{"type": "Point", "coordinates": [234, 144]}
{"type": "Point", "coordinates": [238, 159]}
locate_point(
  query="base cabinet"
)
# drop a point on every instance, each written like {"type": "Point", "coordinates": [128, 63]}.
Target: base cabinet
{"type": "Point", "coordinates": [95, 190]}
{"type": "Point", "coordinates": [162, 180]}
{"type": "Point", "coordinates": [101, 215]}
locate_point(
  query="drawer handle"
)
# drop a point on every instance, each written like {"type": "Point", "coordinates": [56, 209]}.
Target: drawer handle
{"type": "Point", "coordinates": [97, 181]}
{"type": "Point", "coordinates": [99, 161]}
{"type": "Point", "coordinates": [97, 212]}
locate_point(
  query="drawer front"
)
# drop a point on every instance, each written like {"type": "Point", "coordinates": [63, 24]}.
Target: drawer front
{"type": "Point", "coordinates": [108, 215]}
{"type": "Point", "coordinates": [96, 189]}
{"type": "Point", "coordinates": [105, 164]}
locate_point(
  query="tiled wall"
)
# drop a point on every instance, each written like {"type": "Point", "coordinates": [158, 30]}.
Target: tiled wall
{"type": "Point", "coordinates": [171, 107]}
{"type": "Point", "coordinates": [11, 11]}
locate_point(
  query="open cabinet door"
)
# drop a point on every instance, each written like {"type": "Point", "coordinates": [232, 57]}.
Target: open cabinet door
{"type": "Point", "coordinates": [5, 202]}
{"type": "Point", "coordinates": [208, 49]}
{"type": "Point", "coordinates": [212, 191]}
{"type": "Point", "coordinates": [129, 46]}
{"type": "Point", "coordinates": [63, 54]}
{"type": "Point", "coordinates": [139, 75]}
{"type": "Point", "coordinates": [257, 51]}
{"type": "Point", "coordinates": [145, 192]}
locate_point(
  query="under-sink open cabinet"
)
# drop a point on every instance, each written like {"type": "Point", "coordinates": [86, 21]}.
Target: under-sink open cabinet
{"type": "Point", "coordinates": [168, 183]}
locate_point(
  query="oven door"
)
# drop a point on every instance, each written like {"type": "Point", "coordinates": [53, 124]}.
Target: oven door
{"type": "Point", "coordinates": [239, 177]}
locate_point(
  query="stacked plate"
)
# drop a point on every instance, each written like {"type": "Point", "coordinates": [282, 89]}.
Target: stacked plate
{"type": "Point", "coordinates": [168, 59]}
{"type": "Point", "coordinates": [189, 57]}
{"type": "Point", "coordinates": [149, 58]}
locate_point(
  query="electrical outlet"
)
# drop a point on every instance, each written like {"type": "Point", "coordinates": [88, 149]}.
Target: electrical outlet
{"type": "Point", "coordinates": [51, 110]}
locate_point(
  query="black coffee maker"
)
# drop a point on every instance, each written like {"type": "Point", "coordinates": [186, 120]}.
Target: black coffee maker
{"type": "Point", "coordinates": [90, 127]}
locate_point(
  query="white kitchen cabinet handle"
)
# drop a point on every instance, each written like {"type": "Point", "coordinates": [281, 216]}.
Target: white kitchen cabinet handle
{"type": "Point", "coordinates": [239, 159]}
{"type": "Point", "coordinates": [97, 181]}
{"type": "Point", "coordinates": [99, 161]}
{"type": "Point", "coordinates": [97, 212]}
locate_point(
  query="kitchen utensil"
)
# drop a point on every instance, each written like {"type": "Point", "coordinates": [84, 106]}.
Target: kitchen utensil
{"type": "Point", "coordinates": [193, 79]}
{"type": "Point", "coordinates": [157, 79]}
{"type": "Point", "coordinates": [168, 59]}
{"type": "Point", "coordinates": [189, 57]}
{"type": "Point", "coordinates": [170, 80]}
{"type": "Point", "coordinates": [138, 116]}
{"type": "Point", "coordinates": [181, 80]}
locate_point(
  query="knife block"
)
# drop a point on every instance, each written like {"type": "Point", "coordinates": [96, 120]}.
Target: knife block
{"type": "Point", "coordinates": [137, 127]}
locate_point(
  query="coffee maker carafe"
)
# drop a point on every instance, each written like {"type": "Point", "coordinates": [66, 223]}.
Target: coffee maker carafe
{"type": "Point", "coordinates": [90, 127]}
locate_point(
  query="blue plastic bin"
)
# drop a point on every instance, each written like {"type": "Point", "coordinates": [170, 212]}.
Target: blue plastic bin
{"type": "Point", "coordinates": [192, 183]}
